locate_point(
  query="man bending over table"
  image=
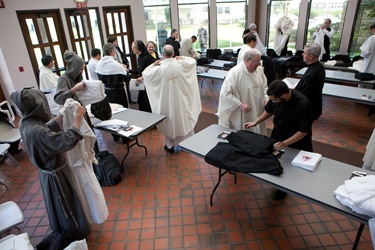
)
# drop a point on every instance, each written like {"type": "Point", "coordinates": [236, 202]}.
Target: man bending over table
{"type": "Point", "coordinates": [292, 119]}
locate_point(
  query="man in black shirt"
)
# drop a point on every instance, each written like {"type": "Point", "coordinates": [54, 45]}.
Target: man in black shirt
{"type": "Point", "coordinates": [173, 40]}
{"type": "Point", "coordinates": [292, 119]}
{"type": "Point", "coordinates": [311, 84]}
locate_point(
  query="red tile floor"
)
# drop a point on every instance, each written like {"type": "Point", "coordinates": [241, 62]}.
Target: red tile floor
{"type": "Point", "coordinates": [163, 200]}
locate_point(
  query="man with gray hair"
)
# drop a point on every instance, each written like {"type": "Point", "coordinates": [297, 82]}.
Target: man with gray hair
{"type": "Point", "coordinates": [252, 30]}
{"type": "Point", "coordinates": [172, 89]}
{"type": "Point", "coordinates": [311, 84]}
{"type": "Point", "coordinates": [243, 94]}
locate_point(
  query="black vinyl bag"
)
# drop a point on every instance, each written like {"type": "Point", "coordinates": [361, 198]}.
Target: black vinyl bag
{"type": "Point", "coordinates": [102, 110]}
{"type": "Point", "coordinates": [108, 171]}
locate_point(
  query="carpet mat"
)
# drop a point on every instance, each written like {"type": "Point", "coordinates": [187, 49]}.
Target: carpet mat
{"type": "Point", "coordinates": [333, 152]}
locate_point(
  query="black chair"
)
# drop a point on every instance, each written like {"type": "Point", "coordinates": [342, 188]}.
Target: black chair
{"type": "Point", "coordinates": [213, 53]}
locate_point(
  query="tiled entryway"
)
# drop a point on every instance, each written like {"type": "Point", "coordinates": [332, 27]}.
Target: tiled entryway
{"type": "Point", "coordinates": [163, 200]}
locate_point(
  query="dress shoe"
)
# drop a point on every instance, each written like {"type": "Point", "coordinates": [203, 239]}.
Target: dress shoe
{"type": "Point", "coordinates": [170, 150]}
{"type": "Point", "coordinates": [279, 195]}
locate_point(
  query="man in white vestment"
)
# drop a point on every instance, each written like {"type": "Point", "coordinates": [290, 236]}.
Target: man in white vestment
{"type": "Point", "coordinates": [186, 48]}
{"type": "Point", "coordinates": [95, 57]}
{"type": "Point", "coordinates": [368, 53]}
{"type": "Point", "coordinates": [322, 36]}
{"type": "Point", "coordinates": [243, 94]}
{"type": "Point", "coordinates": [172, 88]}
{"type": "Point", "coordinates": [47, 79]}
{"type": "Point", "coordinates": [251, 42]}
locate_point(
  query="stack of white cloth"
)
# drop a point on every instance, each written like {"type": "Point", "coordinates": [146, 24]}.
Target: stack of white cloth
{"type": "Point", "coordinates": [358, 193]}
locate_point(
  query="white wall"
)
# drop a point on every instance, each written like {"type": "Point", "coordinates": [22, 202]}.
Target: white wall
{"type": "Point", "coordinates": [12, 45]}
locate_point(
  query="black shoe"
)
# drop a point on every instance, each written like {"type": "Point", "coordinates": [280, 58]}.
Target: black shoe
{"type": "Point", "coordinates": [279, 195]}
{"type": "Point", "coordinates": [170, 150]}
{"type": "Point", "coordinates": [132, 102]}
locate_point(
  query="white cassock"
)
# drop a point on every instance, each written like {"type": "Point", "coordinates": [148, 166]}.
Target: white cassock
{"type": "Point", "coordinates": [108, 66]}
{"type": "Point", "coordinates": [172, 89]}
{"type": "Point", "coordinates": [368, 54]}
{"type": "Point", "coordinates": [260, 46]}
{"type": "Point", "coordinates": [241, 86]}
{"type": "Point", "coordinates": [284, 25]}
{"type": "Point", "coordinates": [47, 79]}
{"type": "Point", "coordinates": [92, 69]}
{"type": "Point", "coordinates": [186, 48]}
{"type": "Point", "coordinates": [80, 160]}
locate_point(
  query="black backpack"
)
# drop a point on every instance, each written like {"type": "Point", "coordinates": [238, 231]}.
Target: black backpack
{"type": "Point", "coordinates": [108, 171]}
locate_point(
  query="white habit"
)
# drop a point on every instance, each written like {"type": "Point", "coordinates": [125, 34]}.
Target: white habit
{"type": "Point", "coordinates": [172, 88]}
{"type": "Point", "coordinates": [368, 54]}
{"type": "Point", "coordinates": [241, 86]}
{"type": "Point", "coordinates": [92, 69]}
{"type": "Point", "coordinates": [186, 48]}
{"type": "Point", "coordinates": [260, 46]}
{"type": "Point", "coordinates": [47, 79]}
{"type": "Point", "coordinates": [108, 66]}
{"type": "Point", "coordinates": [80, 160]}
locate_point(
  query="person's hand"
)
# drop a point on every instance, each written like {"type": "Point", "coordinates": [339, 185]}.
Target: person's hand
{"type": "Point", "coordinates": [140, 79]}
{"type": "Point", "coordinates": [78, 87]}
{"type": "Point", "coordinates": [81, 110]}
{"type": "Point", "coordinates": [279, 145]}
{"type": "Point", "coordinates": [178, 58]}
{"type": "Point", "coordinates": [249, 124]}
{"type": "Point", "coordinates": [157, 62]}
{"type": "Point", "coordinates": [245, 108]}
{"type": "Point", "coordinates": [78, 116]}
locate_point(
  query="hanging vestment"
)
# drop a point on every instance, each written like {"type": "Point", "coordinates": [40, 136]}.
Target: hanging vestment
{"type": "Point", "coordinates": [80, 160]}
{"type": "Point", "coordinates": [283, 29]}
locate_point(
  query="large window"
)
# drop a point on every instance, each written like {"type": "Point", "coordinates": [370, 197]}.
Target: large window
{"type": "Point", "coordinates": [231, 19]}
{"type": "Point", "coordinates": [278, 10]}
{"type": "Point", "coordinates": [158, 21]}
{"type": "Point", "coordinates": [364, 18]}
{"type": "Point", "coordinates": [193, 20]}
{"type": "Point", "coordinates": [323, 9]}
{"type": "Point", "coordinates": [118, 24]}
{"type": "Point", "coordinates": [43, 35]}
{"type": "Point", "coordinates": [84, 31]}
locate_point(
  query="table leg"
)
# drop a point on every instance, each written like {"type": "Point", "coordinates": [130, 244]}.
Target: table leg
{"type": "Point", "coordinates": [129, 146]}
{"type": "Point", "coordinates": [359, 233]}
{"type": "Point", "coordinates": [218, 183]}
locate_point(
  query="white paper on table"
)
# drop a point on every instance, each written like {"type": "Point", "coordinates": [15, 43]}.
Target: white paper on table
{"type": "Point", "coordinates": [113, 124]}
{"type": "Point", "coordinates": [290, 85]}
{"type": "Point", "coordinates": [130, 130]}
{"type": "Point", "coordinates": [134, 84]}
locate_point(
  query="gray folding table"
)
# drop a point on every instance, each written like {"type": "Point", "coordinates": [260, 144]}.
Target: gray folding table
{"type": "Point", "coordinates": [317, 186]}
